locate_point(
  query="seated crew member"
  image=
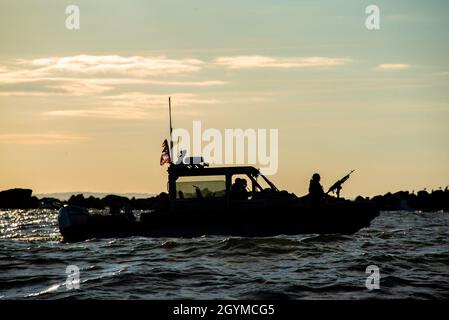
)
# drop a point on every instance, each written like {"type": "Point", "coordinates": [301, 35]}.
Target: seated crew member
{"type": "Point", "coordinates": [198, 192]}
{"type": "Point", "coordinates": [235, 186]}
{"type": "Point", "coordinates": [238, 189]}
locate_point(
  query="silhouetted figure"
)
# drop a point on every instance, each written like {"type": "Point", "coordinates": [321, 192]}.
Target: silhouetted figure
{"type": "Point", "coordinates": [162, 202]}
{"type": "Point", "coordinates": [238, 189]}
{"type": "Point", "coordinates": [198, 193]}
{"type": "Point", "coordinates": [235, 185]}
{"type": "Point", "coordinates": [316, 191]}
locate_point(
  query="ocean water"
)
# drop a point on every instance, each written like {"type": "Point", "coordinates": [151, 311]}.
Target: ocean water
{"type": "Point", "coordinates": [411, 250]}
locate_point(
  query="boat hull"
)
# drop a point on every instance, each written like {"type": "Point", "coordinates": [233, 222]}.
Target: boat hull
{"type": "Point", "coordinates": [346, 218]}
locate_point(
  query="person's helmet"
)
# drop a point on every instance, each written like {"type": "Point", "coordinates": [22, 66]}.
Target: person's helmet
{"type": "Point", "coordinates": [316, 177]}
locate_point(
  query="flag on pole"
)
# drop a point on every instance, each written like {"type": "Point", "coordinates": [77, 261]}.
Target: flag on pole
{"type": "Point", "coordinates": [165, 156]}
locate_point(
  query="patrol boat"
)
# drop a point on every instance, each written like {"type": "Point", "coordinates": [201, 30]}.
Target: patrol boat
{"type": "Point", "coordinates": [203, 200]}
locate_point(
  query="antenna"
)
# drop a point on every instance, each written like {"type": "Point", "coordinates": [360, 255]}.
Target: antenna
{"type": "Point", "coordinates": [171, 128]}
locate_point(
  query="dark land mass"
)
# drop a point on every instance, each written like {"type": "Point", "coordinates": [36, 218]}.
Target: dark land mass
{"type": "Point", "coordinates": [63, 196]}
{"type": "Point", "coordinates": [23, 199]}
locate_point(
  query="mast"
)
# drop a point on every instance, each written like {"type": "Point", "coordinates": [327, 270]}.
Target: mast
{"type": "Point", "coordinates": [171, 128]}
{"type": "Point", "coordinates": [171, 178]}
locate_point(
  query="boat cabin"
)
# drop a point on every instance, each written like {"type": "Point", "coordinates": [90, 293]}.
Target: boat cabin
{"type": "Point", "coordinates": [197, 187]}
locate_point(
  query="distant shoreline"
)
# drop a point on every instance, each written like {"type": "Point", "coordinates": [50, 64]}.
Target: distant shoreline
{"type": "Point", "coordinates": [423, 200]}
{"type": "Point", "coordinates": [64, 196]}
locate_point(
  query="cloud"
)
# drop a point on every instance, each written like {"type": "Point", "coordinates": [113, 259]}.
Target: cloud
{"type": "Point", "coordinates": [102, 112]}
{"type": "Point", "coordinates": [22, 94]}
{"type": "Point", "coordinates": [122, 81]}
{"type": "Point", "coordinates": [393, 66]}
{"type": "Point", "coordinates": [441, 73]}
{"type": "Point", "coordinates": [136, 66]}
{"type": "Point", "coordinates": [98, 77]}
{"type": "Point", "coordinates": [246, 62]}
{"type": "Point", "coordinates": [81, 88]}
{"type": "Point", "coordinates": [89, 87]}
{"type": "Point", "coordinates": [145, 100]}
{"type": "Point", "coordinates": [40, 138]}
{"type": "Point", "coordinates": [95, 75]}
{"type": "Point", "coordinates": [133, 106]}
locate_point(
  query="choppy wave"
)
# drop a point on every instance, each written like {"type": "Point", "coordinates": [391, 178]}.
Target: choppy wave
{"type": "Point", "coordinates": [410, 249]}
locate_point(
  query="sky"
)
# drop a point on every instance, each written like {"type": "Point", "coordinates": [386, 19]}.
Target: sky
{"type": "Point", "coordinates": [86, 110]}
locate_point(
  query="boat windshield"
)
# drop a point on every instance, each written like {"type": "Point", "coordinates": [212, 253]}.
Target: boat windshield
{"type": "Point", "coordinates": [215, 187]}
{"type": "Point", "coordinates": [265, 183]}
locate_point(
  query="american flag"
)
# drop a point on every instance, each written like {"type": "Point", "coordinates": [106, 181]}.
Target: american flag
{"type": "Point", "coordinates": [165, 156]}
